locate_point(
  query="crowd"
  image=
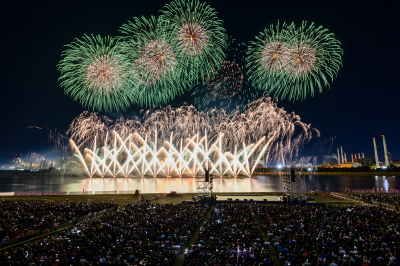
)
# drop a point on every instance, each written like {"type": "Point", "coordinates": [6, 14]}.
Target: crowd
{"type": "Point", "coordinates": [19, 218]}
{"type": "Point", "coordinates": [388, 198]}
{"type": "Point", "coordinates": [230, 236]}
{"type": "Point", "coordinates": [138, 234]}
{"type": "Point", "coordinates": [153, 234]}
{"type": "Point", "coordinates": [326, 235]}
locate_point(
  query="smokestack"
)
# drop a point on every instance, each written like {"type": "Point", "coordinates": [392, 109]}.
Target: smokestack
{"type": "Point", "coordinates": [376, 155]}
{"type": "Point", "coordinates": [338, 156]}
{"type": "Point", "coordinates": [385, 149]}
{"type": "Point", "coordinates": [352, 158]}
{"type": "Point", "coordinates": [359, 157]}
{"type": "Point", "coordinates": [341, 151]}
{"type": "Point", "coordinates": [363, 155]}
{"type": "Point", "coordinates": [345, 158]}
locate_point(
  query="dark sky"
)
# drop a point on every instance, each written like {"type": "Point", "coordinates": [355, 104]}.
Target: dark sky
{"type": "Point", "coordinates": [362, 103]}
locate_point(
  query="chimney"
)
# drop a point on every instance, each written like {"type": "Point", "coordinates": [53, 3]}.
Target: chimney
{"type": "Point", "coordinates": [376, 155]}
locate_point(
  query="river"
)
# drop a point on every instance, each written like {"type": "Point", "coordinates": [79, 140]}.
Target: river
{"type": "Point", "coordinates": [26, 183]}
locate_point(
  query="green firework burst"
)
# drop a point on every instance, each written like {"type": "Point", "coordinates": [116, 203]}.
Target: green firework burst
{"type": "Point", "coordinates": [292, 62]}
{"type": "Point", "coordinates": [155, 69]}
{"type": "Point", "coordinates": [198, 34]}
{"type": "Point", "coordinates": [95, 73]}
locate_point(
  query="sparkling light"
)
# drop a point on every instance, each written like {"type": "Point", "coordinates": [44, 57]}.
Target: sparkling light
{"type": "Point", "coordinates": [137, 156]}
{"type": "Point", "coordinates": [192, 38]}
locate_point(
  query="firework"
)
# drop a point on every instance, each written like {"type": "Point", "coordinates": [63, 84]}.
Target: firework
{"type": "Point", "coordinates": [225, 80]}
{"type": "Point", "coordinates": [315, 57]}
{"type": "Point", "coordinates": [291, 62]}
{"type": "Point", "coordinates": [198, 35]}
{"type": "Point", "coordinates": [229, 140]}
{"type": "Point", "coordinates": [95, 73]}
{"type": "Point", "coordinates": [156, 71]}
{"type": "Point", "coordinates": [235, 95]}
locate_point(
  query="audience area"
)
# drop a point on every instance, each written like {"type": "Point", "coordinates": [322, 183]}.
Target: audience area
{"type": "Point", "coordinates": [386, 198]}
{"type": "Point", "coordinates": [154, 234]}
{"type": "Point", "coordinates": [230, 236]}
{"type": "Point", "coordinates": [142, 234]}
{"type": "Point", "coordinates": [326, 235]}
{"type": "Point", "coordinates": [31, 218]}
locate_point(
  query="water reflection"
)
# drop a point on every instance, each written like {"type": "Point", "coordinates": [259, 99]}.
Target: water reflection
{"type": "Point", "coordinates": [189, 184]}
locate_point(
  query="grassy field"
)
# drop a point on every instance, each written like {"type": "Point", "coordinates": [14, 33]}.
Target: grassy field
{"type": "Point", "coordinates": [119, 199]}
{"type": "Point", "coordinates": [122, 199]}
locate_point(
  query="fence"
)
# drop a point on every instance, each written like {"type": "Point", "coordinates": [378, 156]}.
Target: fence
{"type": "Point", "coordinates": [38, 193]}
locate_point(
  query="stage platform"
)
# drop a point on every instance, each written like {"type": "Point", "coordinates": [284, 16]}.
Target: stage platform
{"type": "Point", "coordinates": [249, 197]}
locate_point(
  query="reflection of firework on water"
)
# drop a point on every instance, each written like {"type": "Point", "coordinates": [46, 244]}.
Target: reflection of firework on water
{"type": "Point", "coordinates": [225, 80]}
{"type": "Point", "coordinates": [156, 72]}
{"type": "Point", "coordinates": [291, 62]}
{"type": "Point", "coordinates": [237, 94]}
{"type": "Point", "coordinates": [261, 121]}
{"type": "Point", "coordinates": [94, 72]}
{"type": "Point", "coordinates": [198, 35]}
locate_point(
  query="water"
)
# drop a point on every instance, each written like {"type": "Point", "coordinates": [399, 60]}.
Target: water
{"type": "Point", "coordinates": [25, 183]}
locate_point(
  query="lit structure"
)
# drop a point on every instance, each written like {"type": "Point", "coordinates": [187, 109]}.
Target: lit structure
{"type": "Point", "coordinates": [341, 149]}
{"type": "Point", "coordinates": [138, 156]}
{"type": "Point", "coordinates": [338, 156]}
{"type": "Point", "coordinates": [376, 155]}
{"type": "Point", "coordinates": [345, 158]}
{"type": "Point", "coordinates": [352, 159]}
{"type": "Point", "coordinates": [385, 149]}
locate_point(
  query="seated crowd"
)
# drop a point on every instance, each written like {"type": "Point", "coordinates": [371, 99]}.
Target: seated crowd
{"type": "Point", "coordinates": [388, 198]}
{"type": "Point", "coordinates": [19, 218]}
{"type": "Point", "coordinates": [230, 236]}
{"type": "Point", "coordinates": [136, 235]}
{"type": "Point", "coordinates": [326, 235]}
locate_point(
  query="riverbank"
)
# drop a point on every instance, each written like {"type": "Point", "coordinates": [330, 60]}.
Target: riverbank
{"type": "Point", "coordinates": [332, 173]}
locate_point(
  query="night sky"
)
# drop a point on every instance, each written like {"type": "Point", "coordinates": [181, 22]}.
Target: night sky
{"type": "Point", "coordinates": [362, 102]}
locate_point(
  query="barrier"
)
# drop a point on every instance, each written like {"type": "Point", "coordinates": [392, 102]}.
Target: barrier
{"type": "Point", "coordinates": [80, 193]}
{"type": "Point", "coordinates": [303, 203]}
{"type": "Point", "coordinates": [105, 192]}
{"type": "Point", "coordinates": [7, 193]}
{"type": "Point", "coordinates": [28, 193]}
{"type": "Point", "coordinates": [55, 193]}
{"type": "Point", "coordinates": [126, 192]}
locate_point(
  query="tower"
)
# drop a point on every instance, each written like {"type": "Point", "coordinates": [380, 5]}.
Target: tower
{"type": "Point", "coordinates": [338, 156]}
{"type": "Point", "coordinates": [376, 155]}
{"type": "Point", "coordinates": [341, 149]}
{"type": "Point", "coordinates": [352, 158]}
{"type": "Point", "coordinates": [385, 149]}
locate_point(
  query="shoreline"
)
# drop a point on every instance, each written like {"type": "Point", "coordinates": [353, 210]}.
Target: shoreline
{"type": "Point", "coordinates": [6, 174]}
